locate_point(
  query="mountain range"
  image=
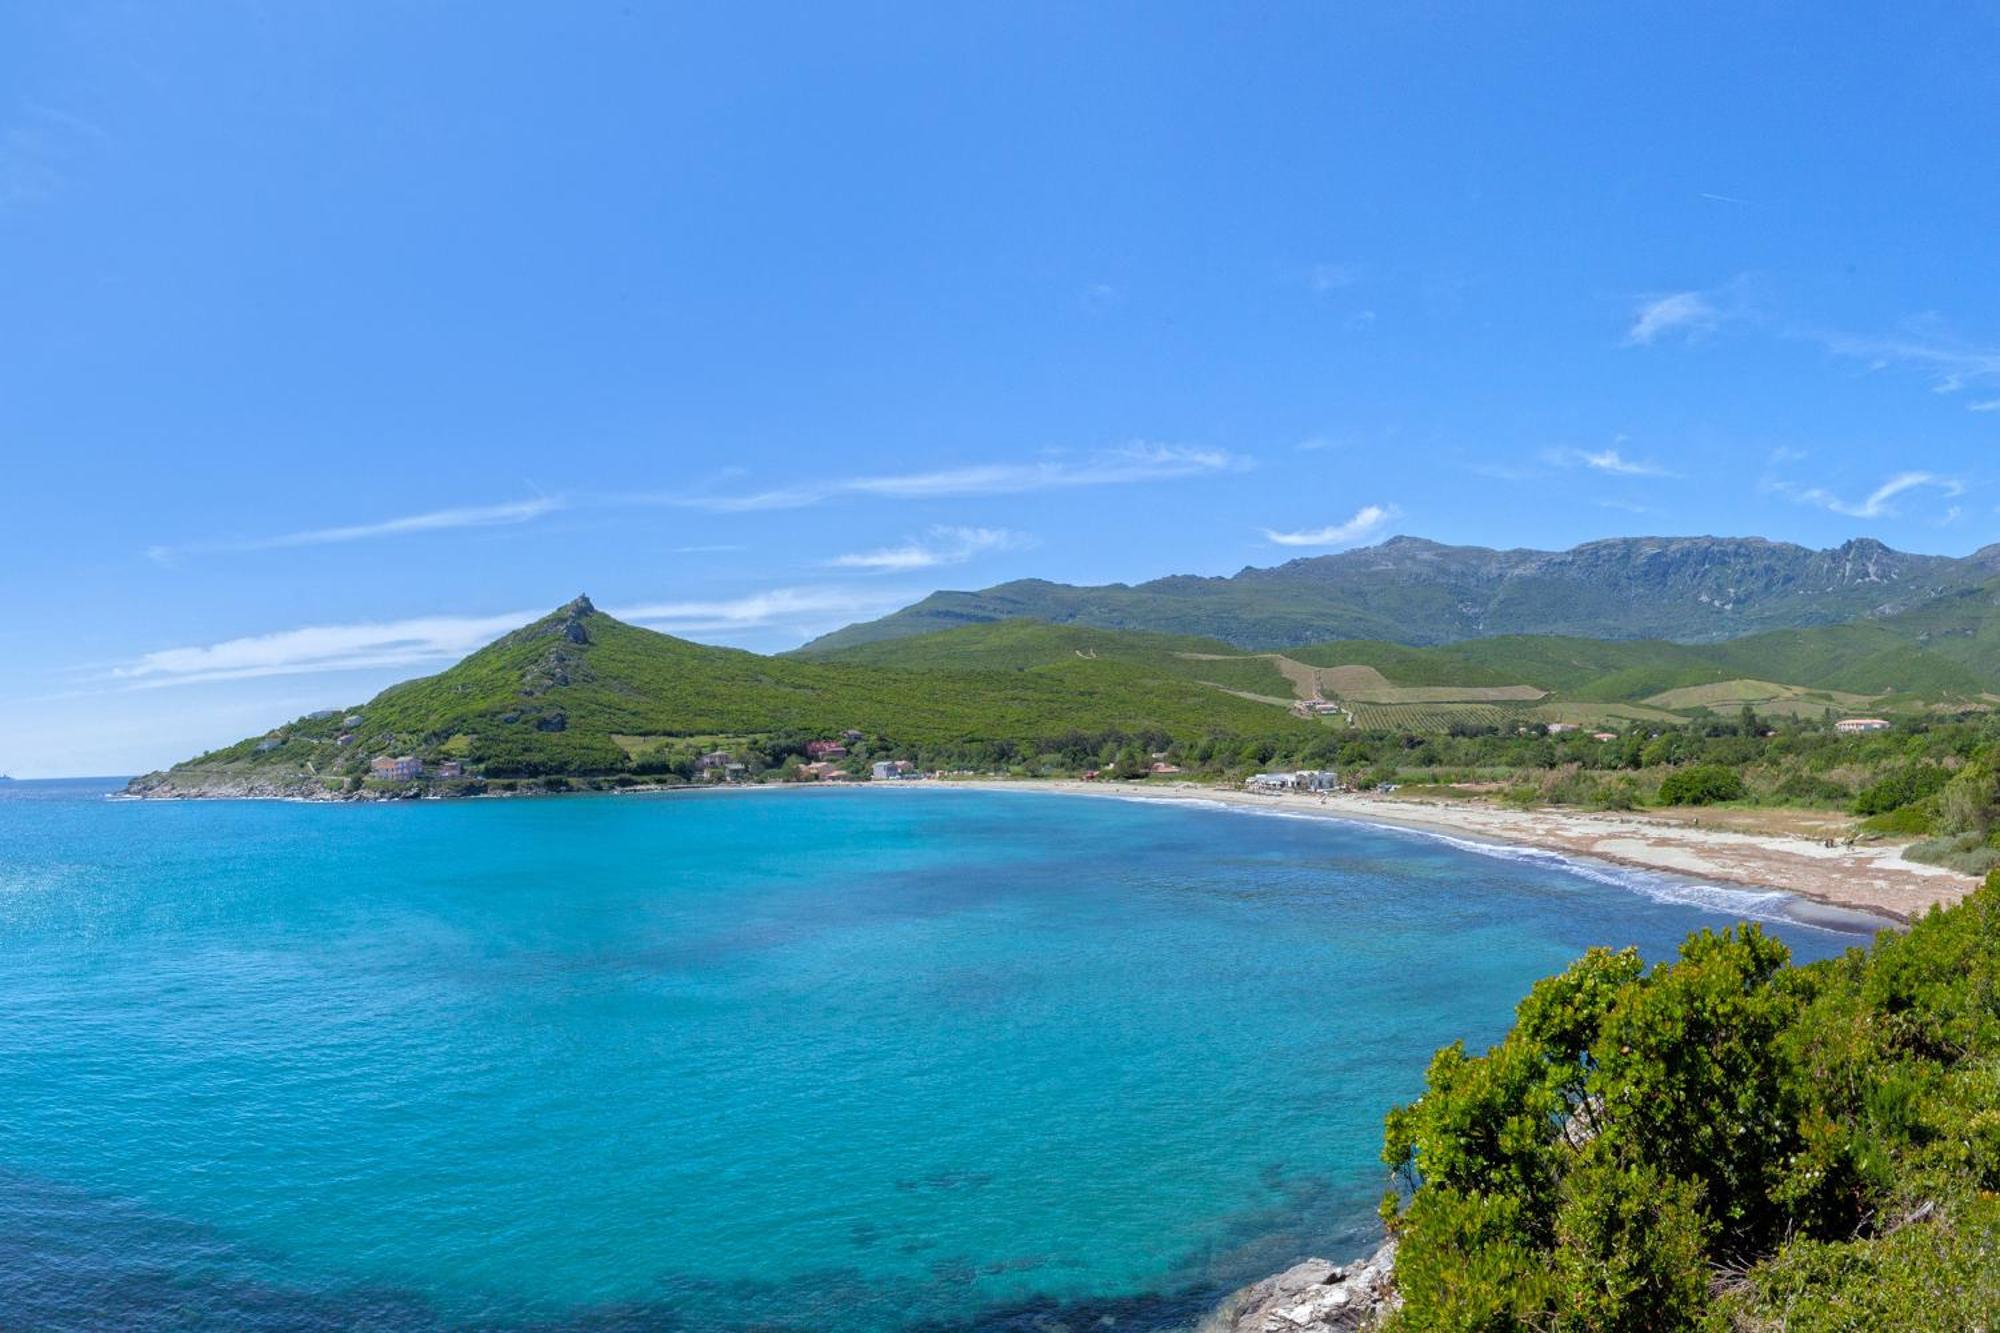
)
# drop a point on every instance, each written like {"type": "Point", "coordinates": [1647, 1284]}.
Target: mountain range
{"type": "Point", "coordinates": [1025, 667]}
{"type": "Point", "coordinates": [1412, 591]}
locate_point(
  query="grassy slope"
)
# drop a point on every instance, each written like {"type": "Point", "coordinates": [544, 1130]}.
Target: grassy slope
{"type": "Point", "coordinates": [537, 702]}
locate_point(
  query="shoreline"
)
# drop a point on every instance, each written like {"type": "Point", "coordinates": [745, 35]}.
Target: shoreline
{"type": "Point", "coordinates": [1869, 881]}
{"type": "Point", "coordinates": [1873, 880]}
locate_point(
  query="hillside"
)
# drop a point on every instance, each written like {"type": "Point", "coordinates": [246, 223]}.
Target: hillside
{"type": "Point", "coordinates": [579, 693]}
{"type": "Point", "coordinates": [1940, 656]}
{"type": "Point", "coordinates": [1411, 591]}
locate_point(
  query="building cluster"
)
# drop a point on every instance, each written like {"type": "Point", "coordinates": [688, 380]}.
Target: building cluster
{"type": "Point", "coordinates": [1855, 726]}
{"type": "Point", "coordinates": [407, 768]}
{"type": "Point", "coordinates": [1304, 779]}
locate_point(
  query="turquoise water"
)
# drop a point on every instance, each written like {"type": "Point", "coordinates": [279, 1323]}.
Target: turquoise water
{"type": "Point", "coordinates": [786, 1060]}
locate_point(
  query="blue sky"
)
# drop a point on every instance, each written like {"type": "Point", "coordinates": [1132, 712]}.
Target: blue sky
{"type": "Point", "coordinates": [335, 337]}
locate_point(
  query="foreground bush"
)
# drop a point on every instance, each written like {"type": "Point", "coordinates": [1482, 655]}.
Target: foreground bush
{"type": "Point", "coordinates": [1723, 1141]}
{"type": "Point", "coordinates": [1703, 784]}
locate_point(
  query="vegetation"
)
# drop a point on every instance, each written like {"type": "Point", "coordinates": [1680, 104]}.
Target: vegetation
{"type": "Point", "coordinates": [1723, 1141]}
{"type": "Point", "coordinates": [1410, 591]}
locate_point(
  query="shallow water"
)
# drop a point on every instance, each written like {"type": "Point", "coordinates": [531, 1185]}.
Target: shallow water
{"type": "Point", "coordinates": [784, 1060]}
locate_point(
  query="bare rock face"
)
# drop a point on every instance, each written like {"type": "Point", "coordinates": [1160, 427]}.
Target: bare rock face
{"type": "Point", "coordinates": [1313, 1297]}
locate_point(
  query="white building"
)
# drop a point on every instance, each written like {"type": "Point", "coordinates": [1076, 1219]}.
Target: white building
{"type": "Point", "coordinates": [1849, 726]}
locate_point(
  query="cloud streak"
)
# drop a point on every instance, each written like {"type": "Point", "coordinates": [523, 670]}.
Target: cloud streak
{"type": "Point", "coordinates": [1878, 503]}
{"type": "Point", "coordinates": [1690, 313]}
{"type": "Point", "coordinates": [942, 546]}
{"type": "Point", "coordinates": [1125, 465]}
{"type": "Point", "coordinates": [1606, 460]}
{"type": "Point", "coordinates": [312, 648]}
{"type": "Point", "coordinates": [431, 640]}
{"type": "Point", "coordinates": [1366, 520]}
{"type": "Point", "coordinates": [437, 520]}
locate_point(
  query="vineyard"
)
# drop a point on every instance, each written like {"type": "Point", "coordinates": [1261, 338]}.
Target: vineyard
{"type": "Point", "coordinates": [1433, 717]}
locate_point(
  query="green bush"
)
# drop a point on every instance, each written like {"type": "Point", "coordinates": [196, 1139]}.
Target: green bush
{"type": "Point", "coordinates": [1900, 786]}
{"type": "Point", "coordinates": [1811, 789]}
{"type": "Point", "coordinates": [1701, 784]}
{"type": "Point", "coordinates": [1830, 1135]}
{"type": "Point", "coordinates": [1912, 821]}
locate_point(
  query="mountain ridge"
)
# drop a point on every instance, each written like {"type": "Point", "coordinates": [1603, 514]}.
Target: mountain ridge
{"type": "Point", "coordinates": [1416, 591]}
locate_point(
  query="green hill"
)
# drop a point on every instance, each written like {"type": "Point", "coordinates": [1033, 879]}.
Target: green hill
{"type": "Point", "coordinates": [1411, 591]}
{"type": "Point", "coordinates": [578, 693]}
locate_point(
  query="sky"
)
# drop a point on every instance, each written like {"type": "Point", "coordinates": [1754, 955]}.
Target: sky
{"type": "Point", "coordinates": [335, 339]}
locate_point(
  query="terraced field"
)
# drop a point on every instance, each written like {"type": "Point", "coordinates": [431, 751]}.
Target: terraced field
{"type": "Point", "coordinates": [1438, 716]}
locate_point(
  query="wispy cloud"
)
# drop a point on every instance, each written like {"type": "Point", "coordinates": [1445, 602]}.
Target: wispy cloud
{"type": "Point", "coordinates": [437, 520]}
{"type": "Point", "coordinates": [1690, 313]}
{"type": "Point", "coordinates": [312, 648]}
{"type": "Point", "coordinates": [434, 640]}
{"type": "Point", "coordinates": [941, 546]}
{"type": "Point", "coordinates": [1951, 362]}
{"type": "Point", "coordinates": [1326, 277]}
{"type": "Point", "coordinates": [1139, 462]}
{"type": "Point", "coordinates": [1366, 520]}
{"type": "Point", "coordinates": [1989, 405]}
{"type": "Point", "coordinates": [1878, 503]}
{"type": "Point", "coordinates": [1605, 460]}
{"type": "Point", "coordinates": [808, 608]}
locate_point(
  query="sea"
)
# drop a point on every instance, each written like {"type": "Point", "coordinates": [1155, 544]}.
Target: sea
{"type": "Point", "coordinates": [734, 1060]}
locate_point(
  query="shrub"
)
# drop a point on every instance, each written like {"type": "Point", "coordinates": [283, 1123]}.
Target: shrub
{"type": "Point", "coordinates": [1812, 790]}
{"type": "Point", "coordinates": [1825, 1137]}
{"type": "Point", "coordinates": [1701, 784]}
{"type": "Point", "coordinates": [1900, 786]}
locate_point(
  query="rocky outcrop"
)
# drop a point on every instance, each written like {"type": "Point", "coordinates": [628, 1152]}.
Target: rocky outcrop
{"type": "Point", "coordinates": [1313, 1297]}
{"type": "Point", "coordinates": [194, 785]}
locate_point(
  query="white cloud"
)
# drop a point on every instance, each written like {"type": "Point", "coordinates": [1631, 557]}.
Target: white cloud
{"type": "Point", "coordinates": [811, 606]}
{"type": "Point", "coordinates": [434, 640]}
{"type": "Point", "coordinates": [437, 520]}
{"type": "Point", "coordinates": [1878, 502]}
{"type": "Point", "coordinates": [1332, 277]}
{"type": "Point", "coordinates": [942, 546]}
{"type": "Point", "coordinates": [1990, 405]}
{"type": "Point", "coordinates": [1953, 362]}
{"type": "Point", "coordinates": [1138, 462]}
{"type": "Point", "coordinates": [1605, 460]}
{"type": "Point", "coordinates": [1366, 520]}
{"type": "Point", "coordinates": [321, 648]}
{"type": "Point", "coordinates": [1690, 312]}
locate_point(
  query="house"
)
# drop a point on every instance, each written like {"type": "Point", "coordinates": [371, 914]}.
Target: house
{"type": "Point", "coordinates": [1558, 728]}
{"type": "Point", "coordinates": [892, 770]}
{"type": "Point", "coordinates": [1272, 781]}
{"type": "Point", "coordinates": [450, 768]}
{"type": "Point", "coordinates": [1161, 768]}
{"type": "Point", "coordinates": [1604, 735]}
{"type": "Point", "coordinates": [825, 750]}
{"type": "Point", "coordinates": [850, 735]}
{"type": "Point", "coordinates": [819, 771]}
{"type": "Point", "coordinates": [400, 769]}
{"type": "Point", "coordinates": [269, 743]}
{"type": "Point", "coordinates": [714, 766]}
{"type": "Point", "coordinates": [1854, 726]}
{"type": "Point", "coordinates": [1316, 779]}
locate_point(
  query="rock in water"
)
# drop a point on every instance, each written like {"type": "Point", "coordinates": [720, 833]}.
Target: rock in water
{"type": "Point", "coordinates": [1313, 1297]}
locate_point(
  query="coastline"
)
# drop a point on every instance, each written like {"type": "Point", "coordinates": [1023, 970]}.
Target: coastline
{"type": "Point", "coordinates": [1870, 881]}
{"type": "Point", "coordinates": [1873, 880]}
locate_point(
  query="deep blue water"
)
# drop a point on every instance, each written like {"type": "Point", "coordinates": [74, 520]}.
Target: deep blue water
{"type": "Point", "coordinates": [799, 1060]}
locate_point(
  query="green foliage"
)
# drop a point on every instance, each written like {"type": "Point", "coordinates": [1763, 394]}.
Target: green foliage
{"type": "Point", "coordinates": [1703, 784]}
{"type": "Point", "coordinates": [1901, 786]}
{"type": "Point", "coordinates": [1831, 1133]}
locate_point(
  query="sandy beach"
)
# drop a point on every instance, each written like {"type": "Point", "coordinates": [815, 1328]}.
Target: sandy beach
{"type": "Point", "coordinates": [1872, 878]}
